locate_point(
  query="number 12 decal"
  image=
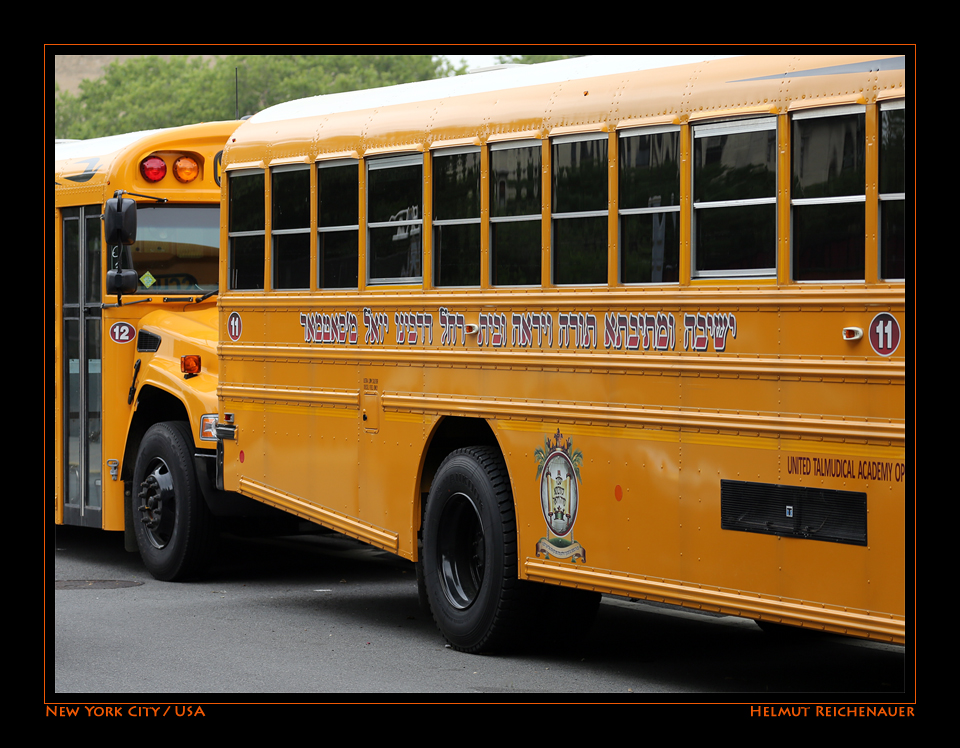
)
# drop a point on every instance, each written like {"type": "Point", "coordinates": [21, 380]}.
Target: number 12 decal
{"type": "Point", "coordinates": [122, 332]}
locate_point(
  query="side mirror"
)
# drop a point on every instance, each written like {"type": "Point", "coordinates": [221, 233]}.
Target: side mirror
{"type": "Point", "coordinates": [121, 281]}
{"type": "Point", "coordinates": [120, 221]}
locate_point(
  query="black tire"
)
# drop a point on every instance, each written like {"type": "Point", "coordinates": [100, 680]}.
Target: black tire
{"type": "Point", "coordinates": [422, 597]}
{"type": "Point", "coordinates": [470, 552]}
{"type": "Point", "coordinates": [171, 521]}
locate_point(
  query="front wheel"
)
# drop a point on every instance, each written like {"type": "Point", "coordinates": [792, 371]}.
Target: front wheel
{"type": "Point", "coordinates": [470, 551]}
{"type": "Point", "coordinates": [172, 524]}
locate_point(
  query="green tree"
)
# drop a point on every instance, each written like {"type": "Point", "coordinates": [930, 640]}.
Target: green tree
{"type": "Point", "coordinates": [150, 92]}
{"type": "Point", "coordinates": [139, 94]}
{"type": "Point", "coordinates": [530, 59]}
{"type": "Point", "coordinates": [265, 80]}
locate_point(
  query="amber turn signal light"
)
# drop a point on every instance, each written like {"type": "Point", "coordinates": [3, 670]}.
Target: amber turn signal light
{"type": "Point", "coordinates": [190, 364]}
{"type": "Point", "coordinates": [185, 169]}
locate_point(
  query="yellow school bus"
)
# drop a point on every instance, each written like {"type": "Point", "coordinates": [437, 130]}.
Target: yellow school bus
{"type": "Point", "coordinates": [136, 323]}
{"type": "Point", "coordinates": [604, 325]}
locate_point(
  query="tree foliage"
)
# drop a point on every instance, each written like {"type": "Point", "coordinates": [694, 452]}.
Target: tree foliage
{"type": "Point", "coordinates": [530, 59]}
{"type": "Point", "coordinates": [143, 93]}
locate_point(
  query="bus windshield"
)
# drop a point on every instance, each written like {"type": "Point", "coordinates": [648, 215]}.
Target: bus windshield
{"type": "Point", "coordinates": [177, 248]}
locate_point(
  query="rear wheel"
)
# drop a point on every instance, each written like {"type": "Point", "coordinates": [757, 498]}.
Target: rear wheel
{"type": "Point", "coordinates": [470, 551]}
{"type": "Point", "coordinates": [172, 524]}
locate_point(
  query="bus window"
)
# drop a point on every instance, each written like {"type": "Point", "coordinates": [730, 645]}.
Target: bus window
{"type": "Point", "coordinates": [177, 248]}
{"type": "Point", "coordinates": [394, 219]}
{"type": "Point", "coordinates": [892, 190]}
{"type": "Point", "coordinates": [338, 209]}
{"type": "Point", "coordinates": [515, 214]}
{"type": "Point", "coordinates": [456, 217]}
{"type": "Point", "coordinates": [735, 198]}
{"type": "Point", "coordinates": [649, 203]}
{"type": "Point", "coordinates": [580, 209]}
{"type": "Point", "coordinates": [247, 226]}
{"type": "Point", "coordinates": [828, 194]}
{"type": "Point", "coordinates": [290, 226]}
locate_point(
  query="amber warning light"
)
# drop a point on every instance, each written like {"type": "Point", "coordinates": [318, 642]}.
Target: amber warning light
{"type": "Point", "coordinates": [190, 364]}
{"type": "Point", "coordinates": [185, 169]}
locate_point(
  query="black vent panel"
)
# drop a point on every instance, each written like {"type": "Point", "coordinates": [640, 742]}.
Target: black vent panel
{"type": "Point", "coordinates": [147, 342]}
{"type": "Point", "coordinates": [794, 511]}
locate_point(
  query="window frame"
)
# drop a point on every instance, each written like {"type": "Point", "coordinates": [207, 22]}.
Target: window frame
{"type": "Point", "coordinates": [888, 197]}
{"type": "Point", "coordinates": [275, 232]}
{"type": "Point", "coordinates": [336, 228]}
{"type": "Point", "coordinates": [661, 209]}
{"type": "Point", "coordinates": [415, 225]}
{"type": "Point", "coordinates": [749, 124]}
{"type": "Point", "coordinates": [510, 145]}
{"type": "Point", "coordinates": [811, 114]}
{"type": "Point", "coordinates": [603, 213]}
{"type": "Point", "coordinates": [440, 223]}
{"type": "Point", "coordinates": [246, 233]}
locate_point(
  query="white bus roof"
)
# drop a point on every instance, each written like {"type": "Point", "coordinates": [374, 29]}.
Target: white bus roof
{"type": "Point", "coordinates": [72, 149]}
{"type": "Point", "coordinates": [497, 79]}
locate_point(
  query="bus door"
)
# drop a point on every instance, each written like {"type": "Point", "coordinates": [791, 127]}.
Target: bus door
{"type": "Point", "coordinates": [81, 358]}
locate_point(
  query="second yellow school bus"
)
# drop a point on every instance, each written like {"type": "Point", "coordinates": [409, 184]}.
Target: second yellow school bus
{"type": "Point", "coordinates": [596, 324]}
{"type": "Point", "coordinates": [135, 367]}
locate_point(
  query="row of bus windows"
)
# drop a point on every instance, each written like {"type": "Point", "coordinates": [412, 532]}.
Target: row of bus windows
{"type": "Point", "coordinates": [734, 232]}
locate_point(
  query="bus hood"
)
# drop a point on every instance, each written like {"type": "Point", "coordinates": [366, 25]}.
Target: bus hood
{"type": "Point", "coordinates": [182, 332]}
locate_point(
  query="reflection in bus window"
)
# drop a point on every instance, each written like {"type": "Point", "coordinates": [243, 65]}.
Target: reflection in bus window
{"type": "Point", "coordinates": [580, 209]}
{"type": "Point", "coordinates": [177, 248]}
{"type": "Point", "coordinates": [456, 218]}
{"type": "Point", "coordinates": [828, 196]}
{"type": "Point", "coordinates": [338, 224]}
{"type": "Point", "coordinates": [394, 219]}
{"type": "Point", "coordinates": [290, 227]}
{"type": "Point", "coordinates": [649, 200]}
{"type": "Point", "coordinates": [247, 226]}
{"type": "Point", "coordinates": [515, 214]}
{"type": "Point", "coordinates": [735, 198]}
{"type": "Point", "coordinates": [892, 190]}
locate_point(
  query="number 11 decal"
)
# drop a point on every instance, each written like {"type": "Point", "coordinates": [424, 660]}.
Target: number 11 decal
{"type": "Point", "coordinates": [884, 334]}
{"type": "Point", "coordinates": [234, 326]}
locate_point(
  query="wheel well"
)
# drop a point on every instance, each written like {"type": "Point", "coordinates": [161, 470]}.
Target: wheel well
{"type": "Point", "coordinates": [452, 433]}
{"type": "Point", "coordinates": [153, 405]}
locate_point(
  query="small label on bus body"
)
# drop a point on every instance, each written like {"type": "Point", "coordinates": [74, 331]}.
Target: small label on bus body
{"type": "Point", "coordinates": [884, 334]}
{"type": "Point", "coordinates": [122, 332]}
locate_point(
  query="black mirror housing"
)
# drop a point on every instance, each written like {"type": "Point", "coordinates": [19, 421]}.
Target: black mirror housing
{"type": "Point", "coordinates": [121, 281]}
{"type": "Point", "coordinates": [120, 221]}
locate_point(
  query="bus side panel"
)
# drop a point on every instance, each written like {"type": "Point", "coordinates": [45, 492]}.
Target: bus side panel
{"type": "Point", "coordinates": [656, 450]}
{"type": "Point", "coordinates": [119, 355]}
{"type": "Point", "coordinates": [649, 505]}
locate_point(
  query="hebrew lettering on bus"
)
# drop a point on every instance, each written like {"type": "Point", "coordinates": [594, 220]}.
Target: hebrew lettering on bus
{"type": "Point", "coordinates": [493, 329]}
{"type": "Point", "coordinates": [699, 329]}
{"type": "Point", "coordinates": [636, 331]}
{"type": "Point", "coordinates": [577, 329]}
{"type": "Point", "coordinates": [378, 326]}
{"type": "Point", "coordinates": [623, 331]}
{"type": "Point", "coordinates": [413, 327]}
{"type": "Point", "coordinates": [530, 326]}
{"type": "Point", "coordinates": [452, 323]}
{"type": "Point", "coordinates": [338, 327]}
